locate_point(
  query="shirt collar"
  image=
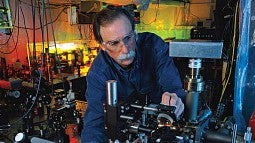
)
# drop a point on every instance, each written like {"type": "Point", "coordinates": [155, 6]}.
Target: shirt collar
{"type": "Point", "coordinates": [122, 70]}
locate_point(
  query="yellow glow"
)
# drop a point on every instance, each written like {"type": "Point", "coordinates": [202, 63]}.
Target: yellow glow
{"type": "Point", "coordinates": [65, 46]}
{"type": "Point", "coordinates": [160, 25]}
{"type": "Point", "coordinates": [87, 47]}
{"type": "Point", "coordinates": [62, 47]}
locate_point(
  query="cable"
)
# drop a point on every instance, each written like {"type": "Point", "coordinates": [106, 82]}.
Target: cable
{"type": "Point", "coordinates": [79, 28]}
{"type": "Point", "coordinates": [56, 53]}
{"type": "Point", "coordinates": [52, 21]}
{"type": "Point", "coordinates": [37, 91]}
{"type": "Point", "coordinates": [28, 41]}
{"type": "Point", "coordinates": [233, 52]}
{"type": "Point", "coordinates": [34, 48]}
{"type": "Point", "coordinates": [53, 5]}
{"type": "Point", "coordinates": [49, 75]}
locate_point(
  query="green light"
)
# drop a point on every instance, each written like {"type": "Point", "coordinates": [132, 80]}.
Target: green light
{"type": "Point", "coordinates": [182, 32]}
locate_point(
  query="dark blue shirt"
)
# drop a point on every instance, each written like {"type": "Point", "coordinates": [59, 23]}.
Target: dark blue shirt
{"type": "Point", "coordinates": [152, 73]}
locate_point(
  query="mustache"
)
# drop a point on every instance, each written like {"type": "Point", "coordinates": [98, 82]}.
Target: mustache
{"type": "Point", "coordinates": [129, 55]}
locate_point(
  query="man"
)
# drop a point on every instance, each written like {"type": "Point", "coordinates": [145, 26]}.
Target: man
{"type": "Point", "coordinates": [140, 64]}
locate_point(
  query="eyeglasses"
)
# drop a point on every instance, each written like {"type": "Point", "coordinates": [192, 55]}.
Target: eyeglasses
{"type": "Point", "coordinates": [115, 45]}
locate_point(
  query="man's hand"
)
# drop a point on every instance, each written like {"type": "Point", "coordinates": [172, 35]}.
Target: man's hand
{"type": "Point", "coordinates": [171, 99]}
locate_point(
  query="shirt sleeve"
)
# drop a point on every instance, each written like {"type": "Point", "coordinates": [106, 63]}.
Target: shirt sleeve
{"type": "Point", "coordinates": [168, 74]}
{"type": "Point", "coordinates": [93, 129]}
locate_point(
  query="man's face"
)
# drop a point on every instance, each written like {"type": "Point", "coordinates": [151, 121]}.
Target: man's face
{"type": "Point", "coordinates": [119, 41]}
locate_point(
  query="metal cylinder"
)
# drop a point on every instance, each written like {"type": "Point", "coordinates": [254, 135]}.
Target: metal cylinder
{"type": "Point", "coordinates": [194, 84]}
{"type": "Point", "coordinates": [192, 105]}
{"type": "Point", "coordinates": [111, 93]}
{"type": "Point", "coordinates": [215, 137]}
{"type": "Point", "coordinates": [195, 65]}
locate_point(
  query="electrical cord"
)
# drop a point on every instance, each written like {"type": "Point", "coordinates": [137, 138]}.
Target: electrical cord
{"type": "Point", "coordinates": [52, 21]}
{"type": "Point", "coordinates": [233, 53]}
{"type": "Point", "coordinates": [28, 41]}
{"type": "Point", "coordinates": [56, 52]}
{"type": "Point", "coordinates": [33, 99]}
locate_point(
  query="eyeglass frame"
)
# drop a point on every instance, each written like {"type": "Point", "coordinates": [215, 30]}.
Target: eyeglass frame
{"type": "Point", "coordinates": [113, 45]}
